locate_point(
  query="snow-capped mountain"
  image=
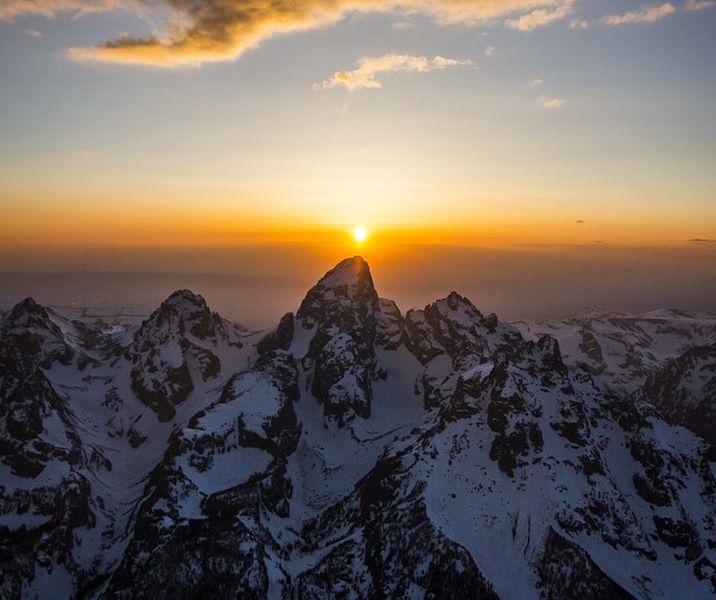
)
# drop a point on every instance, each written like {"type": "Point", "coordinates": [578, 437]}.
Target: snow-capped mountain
{"type": "Point", "coordinates": [357, 452]}
{"type": "Point", "coordinates": [182, 341]}
{"type": "Point", "coordinates": [621, 350]}
{"type": "Point", "coordinates": [666, 358]}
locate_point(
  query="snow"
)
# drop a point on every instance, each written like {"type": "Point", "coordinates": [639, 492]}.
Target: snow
{"type": "Point", "coordinates": [346, 273]}
{"type": "Point", "coordinates": [56, 582]}
{"type": "Point", "coordinates": [631, 346]}
{"type": "Point", "coordinates": [501, 521]}
{"type": "Point", "coordinates": [228, 470]}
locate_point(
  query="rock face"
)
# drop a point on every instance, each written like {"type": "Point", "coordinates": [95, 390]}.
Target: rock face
{"type": "Point", "coordinates": [665, 358]}
{"type": "Point", "coordinates": [621, 350]}
{"type": "Point", "coordinates": [36, 335]}
{"type": "Point", "coordinates": [356, 452]}
{"type": "Point", "coordinates": [44, 488]}
{"type": "Point", "coordinates": [342, 311]}
{"type": "Point", "coordinates": [178, 343]}
{"type": "Point", "coordinates": [684, 390]}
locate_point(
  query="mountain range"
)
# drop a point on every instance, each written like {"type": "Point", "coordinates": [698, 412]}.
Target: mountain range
{"type": "Point", "coordinates": [356, 451]}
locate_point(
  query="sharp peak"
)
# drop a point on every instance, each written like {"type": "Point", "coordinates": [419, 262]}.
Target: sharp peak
{"type": "Point", "coordinates": [346, 271]}
{"type": "Point", "coordinates": [350, 279]}
{"type": "Point", "coordinates": [355, 259]}
{"type": "Point", "coordinates": [180, 305]}
{"type": "Point", "coordinates": [27, 306]}
{"type": "Point", "coordinates": [28, 302]}
{"type": "Point", "coordinates": [183, 296]}
{"type": "Point", "coordinates": [27, 313]}
{"type": "Point", "coordinates": [357, 263]}
{"type": "Point", "coordinates": [455, 300]}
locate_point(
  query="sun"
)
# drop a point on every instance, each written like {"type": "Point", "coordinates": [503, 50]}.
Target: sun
{"type": "Point", "coordinates": [360, 234]}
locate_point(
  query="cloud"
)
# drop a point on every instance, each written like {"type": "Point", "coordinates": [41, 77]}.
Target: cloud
{"type": "Point", "coordinates": [11, 9]}
{"type": "Point", "coordinates": [550, 103]}
{"type": "Point", "coordinates": [535, 82]}
{"type": "Point", "coordinates": [580, 221]}
{"type": "Point", "coordinates": [579, 24]}
{"type": "Point", "coordinates": [200, 31]}
{"type": "Point", "coordinates": [702, 241]}
{"type": "Point", "coordinates": [645, 14]}
{"type": "Point", "coordinates": [540, 17]}
{"type": "Point", "coordinates": [489, 51]}
{"type": "Point", "coordinates": [34, 33]}
{"type": "Point", "coordinates": [692, 5]}
{"type": "Point", "coordinates": [365, 77]}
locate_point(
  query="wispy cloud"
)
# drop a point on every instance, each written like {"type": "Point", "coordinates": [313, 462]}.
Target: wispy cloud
{"type": "Point", "coordinates": [196, 31]}
{"type": "Point", "coordinates": [692, 5]}
{"type": "Point", "coordinates": [645, 14]}
{"type": "Point", "coordinates": [11, 9]}
{"type": "Point", "coordinates": [549, 103]}
{"type": "Point", "coordinates": [489, 51]}
{"type": "Point", "coordinates": [539, 17]}
{"type": "Point", "coordinates": [34, 33]}
{"type": "Point", "coordinates": [536, 82]}
{"type": "Point", "coordinates": [365, 76]}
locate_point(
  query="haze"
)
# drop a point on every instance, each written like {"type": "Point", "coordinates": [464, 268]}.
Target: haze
{"type": "Point", "coordinates": [255, 285]}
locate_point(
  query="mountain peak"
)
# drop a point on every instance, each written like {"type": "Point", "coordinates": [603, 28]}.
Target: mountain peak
{"type": "Point", "coordinates": [343, 307]}
{"type": "Point", "coordinates": [347, 285]}
{"type": "Point", "coordinates": [174, 349]}
{"type": "Point", "coordinates": [348, 271]}
{"type": "Point", "coordinates": [28, 313]}
{"type": "Point", "coordinates": [181, 305]}
{"type": "Point", "coordinates": [457, 302]}
{"type": "Point", "coordinates": [28, 305]}
{"type": "Point", "coordinates": [184, 296]}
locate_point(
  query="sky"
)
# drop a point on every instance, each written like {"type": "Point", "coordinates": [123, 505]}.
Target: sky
{"type": "Point", "coordinates": [133, 130]}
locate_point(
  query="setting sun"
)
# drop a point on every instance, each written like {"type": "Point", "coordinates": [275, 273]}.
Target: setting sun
{"type": "Point", "coordinates": [360, 234]}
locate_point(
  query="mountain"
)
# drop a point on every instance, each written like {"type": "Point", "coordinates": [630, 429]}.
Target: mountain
{"type": "Point", "coordinates": [621, 350]}
{"type": "Point", "coordinates": [684, 390]}
{"type": "Point", "coordinates": [355, 451]}
{"type": "Point", "coordinates": [182, 341]}
{"type": "Point", "coordinates": [666, 358]}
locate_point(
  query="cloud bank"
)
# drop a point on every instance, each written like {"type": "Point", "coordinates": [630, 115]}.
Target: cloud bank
{"type": "Point", "coordinates": [365, 76]}
{"type": "Point", "coordinates": [197, 32]}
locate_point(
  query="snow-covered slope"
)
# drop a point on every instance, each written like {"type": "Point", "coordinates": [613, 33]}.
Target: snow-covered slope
{"type": "Point", "coordinates": [666, 358]}
{"type": "Point", "coordinates": [357, 452]}
{"type": "Point", "coordinates": [684, 390]}
{"type": "Point", "coordinates": [77, 443]}
{"type": "Point", "coordinates": [622, 350]}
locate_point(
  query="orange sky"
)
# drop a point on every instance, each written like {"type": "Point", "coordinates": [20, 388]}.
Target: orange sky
{"type": "Point", "coordinates": [196, 224]}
